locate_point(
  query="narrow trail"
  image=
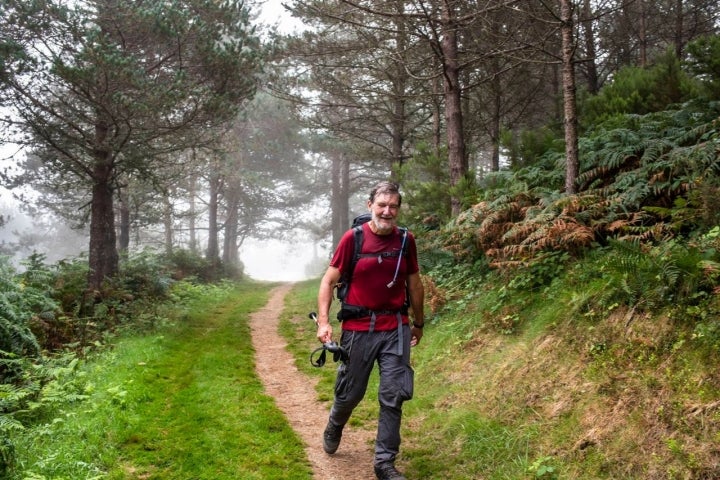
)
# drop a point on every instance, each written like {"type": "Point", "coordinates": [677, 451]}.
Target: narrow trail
{"type": "Point", "coordinates": [295, 395]}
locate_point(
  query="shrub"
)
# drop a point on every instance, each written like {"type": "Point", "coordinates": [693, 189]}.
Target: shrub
{"type": "Point", "coordinates": [144, 275]}
{"type": "Point", "coordinates": [671, 274]}
{"type": "Point", "coordinates": [186, 264]}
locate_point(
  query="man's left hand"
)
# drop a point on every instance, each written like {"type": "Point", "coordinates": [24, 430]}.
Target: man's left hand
{"type": "Point", "coordinates": [417, 334]}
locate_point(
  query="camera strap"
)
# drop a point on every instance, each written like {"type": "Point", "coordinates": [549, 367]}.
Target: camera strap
{"type": "Point", "coordinates": [339, 355]}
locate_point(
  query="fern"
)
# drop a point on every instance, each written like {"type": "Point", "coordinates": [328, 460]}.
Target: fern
{"type": "Point", "coordinates": [16, 308]}
{"type": "Point", "coordinates": [656, 276]}
{"type": "Point", "coordinates": [643, 178]}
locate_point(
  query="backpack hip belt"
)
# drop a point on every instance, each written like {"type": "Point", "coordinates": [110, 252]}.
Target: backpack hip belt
{"type": "Point", "coordinates": [351, 312]}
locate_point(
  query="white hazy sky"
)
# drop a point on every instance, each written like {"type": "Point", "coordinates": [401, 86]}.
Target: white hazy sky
{"type": "Point", "coordinates": [273, 13]}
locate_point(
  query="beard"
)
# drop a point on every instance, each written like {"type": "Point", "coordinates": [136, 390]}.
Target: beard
{"type": "Point", "coordinates": [383, 225]}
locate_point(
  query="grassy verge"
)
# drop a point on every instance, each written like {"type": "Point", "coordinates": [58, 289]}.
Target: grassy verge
{"type": "Point", "coordinates": [181, 403]}
{"type": "Point", "coordinates": [545, 384]}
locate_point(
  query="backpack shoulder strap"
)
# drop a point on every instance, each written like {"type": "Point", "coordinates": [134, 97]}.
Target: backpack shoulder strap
{"type": "Point", "coordinates": [357, 248]}
{"type": "Point", "coordinates": [344, 284]}
{"type": "Point", "coordinates": [358, 237]}
{"type": "Point", "coordinates": [404, 233]}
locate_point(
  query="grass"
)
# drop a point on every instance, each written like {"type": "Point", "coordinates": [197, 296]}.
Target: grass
{"type": "Point", "coordinates": [570, 388]}
{"type": "Point", "coordinates": [182, 403]}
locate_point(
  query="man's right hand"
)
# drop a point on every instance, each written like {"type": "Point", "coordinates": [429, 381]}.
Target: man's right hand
{"type": "Point", "coordinates": [324, 332]}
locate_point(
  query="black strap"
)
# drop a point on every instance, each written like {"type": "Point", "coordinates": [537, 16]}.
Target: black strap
{"type": "Point", "coordinates": [351, 312]}
{"type": "Point", "coordinates": [321, 359]}
{"type": "Point", "coordinates": [339, 354]}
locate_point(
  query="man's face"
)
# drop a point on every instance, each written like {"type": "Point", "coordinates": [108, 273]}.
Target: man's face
{"type": "Point", "coordinates": [384, 210]}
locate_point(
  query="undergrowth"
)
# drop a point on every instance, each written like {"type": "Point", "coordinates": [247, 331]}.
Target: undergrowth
{"type": "Point", "coordinates": [181, 401]}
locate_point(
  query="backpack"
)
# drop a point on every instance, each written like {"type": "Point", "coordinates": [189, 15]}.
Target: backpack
{"type": "Point", "coordinates": [343, 285]}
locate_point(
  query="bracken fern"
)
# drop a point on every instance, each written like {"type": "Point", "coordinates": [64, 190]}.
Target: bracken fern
{"type": "Point", "coordinates": [630, 183]}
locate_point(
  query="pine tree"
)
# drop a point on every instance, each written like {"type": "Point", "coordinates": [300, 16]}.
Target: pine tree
{"type": "Point", "coordinates": [116, 87]}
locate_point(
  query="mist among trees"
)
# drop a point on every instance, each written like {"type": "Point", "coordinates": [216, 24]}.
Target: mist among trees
{"type": "Point", "coordinates": [184, 126]}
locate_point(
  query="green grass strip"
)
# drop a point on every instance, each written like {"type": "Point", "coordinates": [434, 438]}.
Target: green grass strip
{"type": "Point", "coordinates": [180, 404]}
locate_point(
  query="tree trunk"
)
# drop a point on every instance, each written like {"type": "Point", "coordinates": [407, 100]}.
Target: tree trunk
{"type": "Point", "coordinates": [192, 192]}
{"type": "Point", "coordinates": [398, 135]}
{"type": "Point", "coordinates": [168, 223]}
{"type": "Point", "coordinates": [124, 238]}
{"type": "Point", "coordinates": [344, 192]}
{"type": "Point", "coordinates": [453, 102]}
{"type": "Point", "coordinates": [230, 254]}
{"type": "Point", "coordinates": [213, 249]}
{"type": "Point", "coordinates": [340, 197]}
{"type": "Point", "coordinates": [335, 206]}
{"type": "Point", "coordinates": [103, 256]}
{"type": "Point", "coordinates": [436, 117]}
{"type": "Point", "coordinates": [642, 34]}
{"type": "Point", "coordinates": [679, 27]}
{"type": "Point", "coordinates": [569, 97]}
{"type": "Point", "coordinates": [399, 96]}
{"type": "Point", "coordinates": [593, 81]}
{"type": "Point", "coordinates": [496, 121]}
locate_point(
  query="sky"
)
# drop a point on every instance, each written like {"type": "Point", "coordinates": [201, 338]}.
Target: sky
{"type": "Point", "coordinates": [273, 13]}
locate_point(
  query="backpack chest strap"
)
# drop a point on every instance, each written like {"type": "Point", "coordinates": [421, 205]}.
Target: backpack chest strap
{"type": "Point", "coordinates": [394, 254]}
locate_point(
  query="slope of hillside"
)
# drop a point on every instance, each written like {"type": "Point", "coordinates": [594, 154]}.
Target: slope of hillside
{"type": "Point", "coordinates": [543, 384]}
{"type": "Point", "coordinates": [564, 390]}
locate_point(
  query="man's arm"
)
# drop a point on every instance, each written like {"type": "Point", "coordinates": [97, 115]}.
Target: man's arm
{"type": "Point", "coordinates": [417, 303]}
{"type": "Point", "coordinates": [325, 297]}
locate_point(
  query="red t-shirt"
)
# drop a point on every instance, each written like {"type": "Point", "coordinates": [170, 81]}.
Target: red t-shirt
{"type": "Point", "coordinates": [372, 274]}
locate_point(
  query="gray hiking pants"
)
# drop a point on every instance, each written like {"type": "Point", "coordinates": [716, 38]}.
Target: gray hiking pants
{"type": "Point", "coordinates": [396, 383]}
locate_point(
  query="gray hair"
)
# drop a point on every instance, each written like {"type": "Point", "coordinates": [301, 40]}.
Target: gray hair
{"type": "Point", "coordinates": [386, 187]}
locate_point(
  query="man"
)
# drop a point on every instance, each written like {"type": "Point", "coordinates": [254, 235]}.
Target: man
{"type": "Point", "coordinates": [375, 324]}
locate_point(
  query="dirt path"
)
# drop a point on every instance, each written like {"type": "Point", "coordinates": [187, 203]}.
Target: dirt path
{"type": "Point", "coordinates": [295, 395]}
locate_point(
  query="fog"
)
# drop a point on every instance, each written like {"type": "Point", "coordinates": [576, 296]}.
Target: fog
{"type": "Point", "coordinates": [22, 235]}
{"type": "Point", "coordinates": [264, 260]}
{"type": "Point", "coordinates": [267, 260]}
{"type": "Point", "coordinates": [272, 13]}
{"type": "Point", "coordinates": [282, 261]}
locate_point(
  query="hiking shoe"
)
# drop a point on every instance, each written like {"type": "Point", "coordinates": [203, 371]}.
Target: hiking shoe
{"type": "Point", "coordinates": [387, 471]}
{"type": "Point", "coordinates": [331, 438]}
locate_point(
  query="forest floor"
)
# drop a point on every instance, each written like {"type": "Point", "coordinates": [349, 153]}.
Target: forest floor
{"type": "Point", "coordinates": [295, 395]}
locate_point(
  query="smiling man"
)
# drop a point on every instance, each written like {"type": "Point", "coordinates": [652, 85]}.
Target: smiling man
{"type": "Point", "coordinates": [384, 286]}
